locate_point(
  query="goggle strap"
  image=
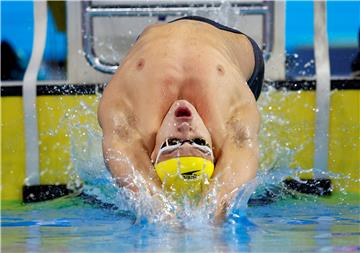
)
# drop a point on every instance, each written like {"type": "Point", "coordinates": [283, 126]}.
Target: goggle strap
{"type": "Point", "coordinates": [171, 147]}
{"type": "Point", "coordinates": [166, 149]}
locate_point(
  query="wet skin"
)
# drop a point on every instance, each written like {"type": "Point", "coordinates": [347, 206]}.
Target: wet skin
{"type": "Point", "coordinates": [195, 67]}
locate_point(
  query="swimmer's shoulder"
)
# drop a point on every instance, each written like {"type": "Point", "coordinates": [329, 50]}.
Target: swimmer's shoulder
{"type": "Point", "coordinates": [178, 29]}
{"type": "Point", "coordinates": [244, 122]}
{"type": "Point", "coordinates": [153, 29]}
{"type": "Point", "coordinates": [114, 104]}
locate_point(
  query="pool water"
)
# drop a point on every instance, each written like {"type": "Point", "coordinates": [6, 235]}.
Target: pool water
{"type": "Point", "coordinates": [296, 223]}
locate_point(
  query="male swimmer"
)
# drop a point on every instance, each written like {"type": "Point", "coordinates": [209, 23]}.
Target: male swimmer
{"type": "Point", "coordinates": [183, 102]}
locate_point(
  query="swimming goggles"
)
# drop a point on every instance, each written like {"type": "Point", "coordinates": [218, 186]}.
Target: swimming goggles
{"type": "Point", "coordinates": [171, 144]}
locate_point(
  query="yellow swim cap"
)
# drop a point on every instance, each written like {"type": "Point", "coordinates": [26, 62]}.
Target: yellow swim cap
{"type": "Point", "coordinates": [183, 174]}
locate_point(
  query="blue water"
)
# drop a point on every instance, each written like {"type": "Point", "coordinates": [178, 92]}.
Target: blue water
{"type": "Point", "coordinates": [294, 224]}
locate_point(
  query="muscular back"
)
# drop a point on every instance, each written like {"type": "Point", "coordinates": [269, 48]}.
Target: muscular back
{"type": "Point", "coordinates": [188, 60]}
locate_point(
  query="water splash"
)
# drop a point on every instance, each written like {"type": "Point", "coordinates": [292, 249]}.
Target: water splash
{"type": "Point", "coordinates": [98, 182]}
{"type": "Point", "coordinates": [273, 153]}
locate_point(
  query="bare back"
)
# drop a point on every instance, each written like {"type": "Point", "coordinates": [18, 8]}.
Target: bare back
{"type": "Point", "coordinates": [187, 60]}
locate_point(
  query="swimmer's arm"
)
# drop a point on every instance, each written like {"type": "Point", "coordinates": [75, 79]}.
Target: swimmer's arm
{"type": "Point", "coordinates": [129, 164]}
{"type": "Point", "coordinates": [124, 153]}
{"type": "Point", "coordinates": [234, 168]}
{"type": "Point", "coordinates": [238, 161]}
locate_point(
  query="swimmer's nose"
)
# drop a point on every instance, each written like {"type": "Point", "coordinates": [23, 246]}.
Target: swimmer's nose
{"type": "Point", "coordinates": [184, 127]}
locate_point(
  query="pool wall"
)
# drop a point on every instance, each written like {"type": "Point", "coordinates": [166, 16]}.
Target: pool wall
{"type": "Point", "coordinates": [292, 102]}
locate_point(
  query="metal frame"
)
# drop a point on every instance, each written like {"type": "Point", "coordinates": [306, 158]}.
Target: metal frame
{"type": "Point", "coordinates": [323, 87]}
{"type": "Point", "coordinates": [89, 11]}
{"type": "Point", "coordinates": [29, 94]}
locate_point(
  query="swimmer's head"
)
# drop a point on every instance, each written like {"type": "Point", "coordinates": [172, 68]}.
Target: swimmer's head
{"type": "Point", "coordinates": [182, 123]}
{"type": "Point", "coordinates": [183, 156]}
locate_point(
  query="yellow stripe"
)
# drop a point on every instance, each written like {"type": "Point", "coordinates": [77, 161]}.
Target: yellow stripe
{"type": "Point", "coordinates": [344, 144]}
{"type": "Point", "coordinates": [57, 117]}
{"type": "Point", "coordinates": [12, 148]}
{"type": "Point", "coordinates": [293, 127]}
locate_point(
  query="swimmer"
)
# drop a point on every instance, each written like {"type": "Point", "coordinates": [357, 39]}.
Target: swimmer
{"type": "Point", "coordinates": [187, 88]}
